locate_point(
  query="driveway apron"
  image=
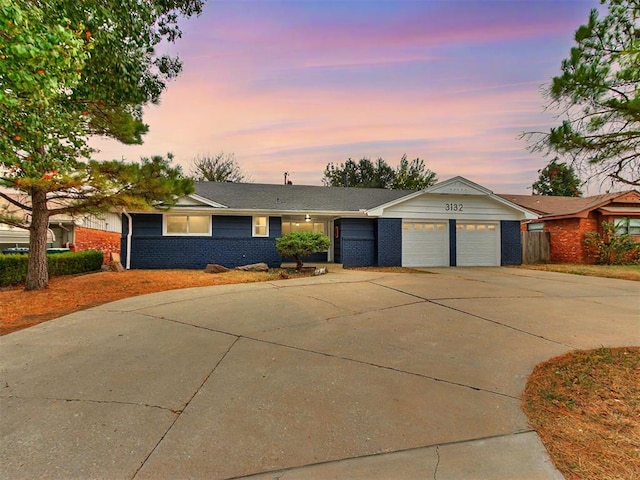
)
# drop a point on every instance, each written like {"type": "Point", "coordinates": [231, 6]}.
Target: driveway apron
{"type": "Point", "coordinates": [348, 375]}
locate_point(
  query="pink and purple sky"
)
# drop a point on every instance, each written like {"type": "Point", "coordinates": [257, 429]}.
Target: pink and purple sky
{"type": "Point", "coordinates": [293, 85]}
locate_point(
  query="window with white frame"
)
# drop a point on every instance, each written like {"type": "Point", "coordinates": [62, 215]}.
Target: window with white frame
{"type": "Point", "coordinates": [629, 226]}
{"type": "Point", "coordinates": [187, 224]}
{"type": "Point", "coordinates": [260, 226]}
{"type": "Point", "coordinates": [303, 226]}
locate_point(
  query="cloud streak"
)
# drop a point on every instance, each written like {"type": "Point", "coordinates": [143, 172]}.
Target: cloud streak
{"type": "Point", "coordinates": [295, 85]}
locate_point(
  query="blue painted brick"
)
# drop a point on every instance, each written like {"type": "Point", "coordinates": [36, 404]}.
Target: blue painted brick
{"type": "Point", "coordinates": [389, 242]}
{"type": "Point", "coordinates": [231, 244]}
{"type": "Point", "coordinates": [510, 243]}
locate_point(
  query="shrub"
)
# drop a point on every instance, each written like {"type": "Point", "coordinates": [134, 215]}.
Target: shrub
{"type": "Point", "coordinates": [607, 248]}
{"type": "Point", "coordinates": [13, 268]}
{"type": "Point", "coordinates": [301, 244]}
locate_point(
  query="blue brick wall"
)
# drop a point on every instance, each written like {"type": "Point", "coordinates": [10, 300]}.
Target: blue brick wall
{"type": "Point", "coordinates": [358, 242]}
{"type": "Point", "coordinates": [510, 243]}
{"type": "Point", "coordinates": [144, 224]}
{"type": "Point", "coordinates": [389, 242]}
{"type": "Point", "coordinates": [337, 242]}
{"type": "Point", "coordinates": [231, 227]}
{"type": "Point", "coordinates": [231, 244]}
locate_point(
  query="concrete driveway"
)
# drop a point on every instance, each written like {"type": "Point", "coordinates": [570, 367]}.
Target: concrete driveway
{"type": "Point", "coordinates": [348, 375]}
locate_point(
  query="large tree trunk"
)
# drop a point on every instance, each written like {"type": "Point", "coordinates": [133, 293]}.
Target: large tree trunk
{"type": "Point", "coordinates": [37, 271]}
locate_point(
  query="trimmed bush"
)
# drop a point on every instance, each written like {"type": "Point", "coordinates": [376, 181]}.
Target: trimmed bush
{"type": "Point", "coordinates": [13, 267]}
{"type": "Point", "coordinates": [301, 244]}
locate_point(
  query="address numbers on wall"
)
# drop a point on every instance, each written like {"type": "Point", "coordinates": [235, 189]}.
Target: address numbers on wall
{"type": "Point", "coordinates": [454, 207]}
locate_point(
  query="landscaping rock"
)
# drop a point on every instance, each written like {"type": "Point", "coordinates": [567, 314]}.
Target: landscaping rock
{"type": "Point", "coordinates": [215, 268]}
{"type": "Point", "coordinates": [116, 266]}
{"type": "Point", "coordinates": [254, 267]}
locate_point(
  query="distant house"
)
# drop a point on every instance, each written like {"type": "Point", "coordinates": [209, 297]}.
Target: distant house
{"type": "Point", "coordinates": [83, 232]}
{"type": "Point", "coordinates": [453, 223]}
{"type": "Point", "coordinates": [567, 219]}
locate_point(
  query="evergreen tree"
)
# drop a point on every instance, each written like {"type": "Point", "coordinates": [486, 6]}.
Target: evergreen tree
{"type": "Point", "coordinates": [558, 180]}
{"type": "Point", "coordinates": [598, 95]}
{"type": "Point", "coordinates": [71, 69]}
{"type": "Point", "coordinates": [379, 174]}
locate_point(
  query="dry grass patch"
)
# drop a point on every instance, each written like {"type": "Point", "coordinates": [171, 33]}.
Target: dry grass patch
{"type": "Point", "coordinates": [68, 294]}
{"type": "Point", "coordinates": [623, 272]}
{"type": "Point", "coordinates": [585, 406]}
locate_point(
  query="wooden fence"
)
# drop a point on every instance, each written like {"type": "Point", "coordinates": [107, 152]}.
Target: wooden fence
{"type": "Point", "coordinates": [536, 247]}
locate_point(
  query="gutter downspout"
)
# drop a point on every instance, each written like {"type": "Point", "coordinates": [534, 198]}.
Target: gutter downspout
{"type": "Point", "coordinates": [73, 234]}
{"type": "Point", "coordinates": [53, 236]}
{"type": "Point", "coordinates": [129, 233]}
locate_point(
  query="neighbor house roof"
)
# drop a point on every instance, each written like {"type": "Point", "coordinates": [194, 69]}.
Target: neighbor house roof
{"type": "Point", "coordinates": [259, 196]}
{"type": "Point", "coordinates": [550, 206]}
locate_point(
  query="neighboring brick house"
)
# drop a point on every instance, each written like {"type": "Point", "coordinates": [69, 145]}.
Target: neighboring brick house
{"type": "Point", "coordinates": [567, 219]}
{"type": "Point", "coordinates": [82, 232]}
{"type": "Point", "coordinates": [453, 223]}
{"type": "Point", "coordinates": [97, 233]}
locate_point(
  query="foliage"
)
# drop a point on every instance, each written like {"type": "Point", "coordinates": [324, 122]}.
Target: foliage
{"type": "Point", "coordinates": [39, 73]}
{"type": "Point", "coordinates": [13, 267]}
{"type": "Point", "coordinates": [301, 244]}
{"type": "Point", "coordinates": [409, 175]}
{"type": "Point", "coordinates": [70, 70]}
{"type": "Point", "coordinates": [559, 180]}
{"type": "Point", "coordinates": [413, 175]}
{"type": "Point", "coordinates": [221, 168]}
{"type": "Point", "coordinates": [598, 96]}
{"type": "Point", "coordinates": [608, 248]}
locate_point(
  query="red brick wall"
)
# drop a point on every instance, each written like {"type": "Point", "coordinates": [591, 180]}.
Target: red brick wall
{"type": "Point", "coordinates": [567, 236]}
{"type": "Point", "coordinates": [90, 239]}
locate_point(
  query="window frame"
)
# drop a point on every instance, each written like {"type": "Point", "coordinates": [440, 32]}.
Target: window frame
{"type": "Point", "coordinates": [166, 233]}
{"type": "Point", "coordinates": [254, 225]}
{"type": "Point", "coordinates": [625, 223]}
{"type": "Point", "coordinates": [291, 224]}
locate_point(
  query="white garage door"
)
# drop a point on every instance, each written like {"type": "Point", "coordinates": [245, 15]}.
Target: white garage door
{"type": "Point", "coordinates": [425, 243]}
{"type": "Point", "coordinates": [477, 244]}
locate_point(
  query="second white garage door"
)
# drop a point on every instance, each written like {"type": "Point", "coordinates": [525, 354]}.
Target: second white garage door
{"type": "Point", "coordinates": [425, 243]}
{"type": "Point", "coordinates": [477, 244]}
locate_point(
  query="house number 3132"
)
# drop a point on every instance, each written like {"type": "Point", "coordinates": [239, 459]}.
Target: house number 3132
{"type": "Point", "coordinates": [453, 207]}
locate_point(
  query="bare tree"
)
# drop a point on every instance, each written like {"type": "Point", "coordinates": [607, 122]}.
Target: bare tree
{"type": "Point", "coordinates": [219, 168]}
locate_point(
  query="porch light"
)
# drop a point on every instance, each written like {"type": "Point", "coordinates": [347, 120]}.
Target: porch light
{"type": "Point", "coordinates": [307, 218]}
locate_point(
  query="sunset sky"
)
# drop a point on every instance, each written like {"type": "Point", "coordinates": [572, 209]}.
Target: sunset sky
{"type": "Point", "coordinates": [293, 85]}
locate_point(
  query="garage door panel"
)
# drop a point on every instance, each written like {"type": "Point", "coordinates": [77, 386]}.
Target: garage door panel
{"type": "Point", "coordinates": [477, 244]}
{"type": "Point", "coordinates": [425, 244]}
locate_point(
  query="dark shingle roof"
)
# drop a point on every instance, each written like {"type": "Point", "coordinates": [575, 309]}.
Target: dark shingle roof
{"type": "Point", "coordinates": [257, 196]}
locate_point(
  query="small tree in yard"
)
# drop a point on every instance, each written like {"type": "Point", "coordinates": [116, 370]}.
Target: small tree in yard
{"type": "Point", "coordinates": [609, 248]}
{"type": "Point", "coordinates": [301, 244]}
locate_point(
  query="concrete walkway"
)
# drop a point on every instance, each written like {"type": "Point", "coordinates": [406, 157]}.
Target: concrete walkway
{"type": "Point", "coordinates": [352, 374]}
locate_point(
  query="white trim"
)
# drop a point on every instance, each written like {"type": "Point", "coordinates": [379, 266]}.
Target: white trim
{"type": "Point", "coordinates": [253, 226]}
{"type": "Point", "coordinates": [435, 190]}
{"type": "Point", "coordinates": [184, 214]}
{"type": "Point", "coordinates": [438, 187]}
{"type": "Point", "coordinates": [129, 233]}
{"type": "Point", "coordinates": [206, 201]}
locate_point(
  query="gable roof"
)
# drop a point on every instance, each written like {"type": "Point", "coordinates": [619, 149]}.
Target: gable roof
{"type": "Point", "coordinates": [260, 196]}
{"type": "Point", "coordinates": [455, 186]}
{"type": "Point", "coordinates": [550, 206]}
